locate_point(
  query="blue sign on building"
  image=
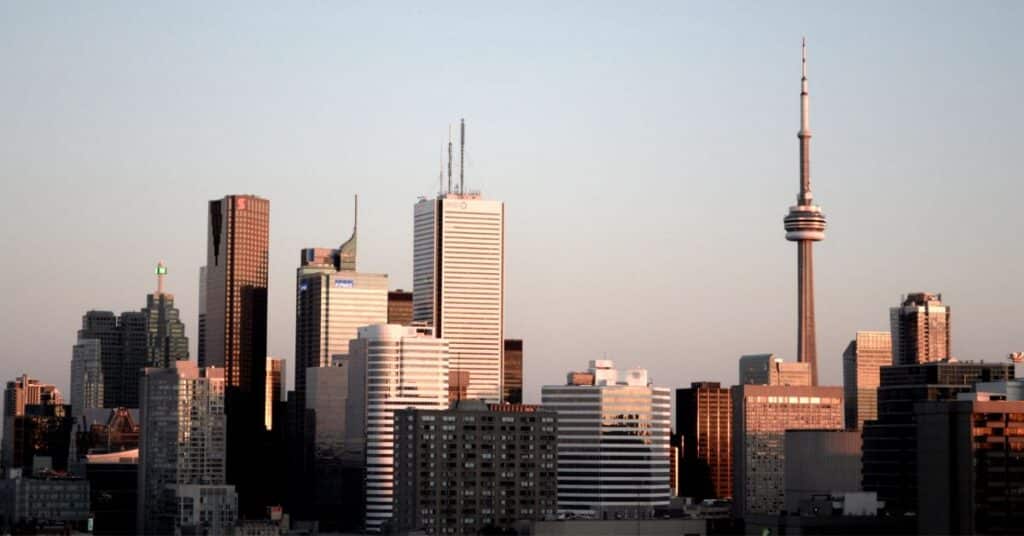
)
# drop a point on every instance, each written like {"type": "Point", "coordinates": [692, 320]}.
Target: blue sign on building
{"type": "Point", "coordinates": [344, 283]}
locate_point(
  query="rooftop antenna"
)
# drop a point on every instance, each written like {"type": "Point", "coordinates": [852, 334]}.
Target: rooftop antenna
{"type": "Point", "coordinates": [449, 158]}
{"type": "Point", "coordinates": [161, 271]}
{"type": "Point", "coordinates": [440, 172]}
{"type": "Point", "coordinates": [462, 156]}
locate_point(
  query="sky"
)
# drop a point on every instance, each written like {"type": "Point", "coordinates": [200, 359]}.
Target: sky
{"type": "Point", "coordinates": [646, 153]}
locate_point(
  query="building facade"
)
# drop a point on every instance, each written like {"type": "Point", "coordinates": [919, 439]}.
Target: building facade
{"type": "Point", "coordinates": [475, 468]}
{"type": "Point", "coordinates": [613, 444]}
{"type": "Point", "coordinates": [391, 368]}
{"type": "Point", "coordinates": [512, 372]}
{"type": "Point", "coordinates": [183, 442]}
{"type": "Point", "coordinates": [971, 475]}
{"type": "Point", "coordinates": [863, 360]}
{"type": "Point", "coordinates": [766, 369]}
{"type": "Point", "coordinates": [123, 352]}
{"type": "Point", "coordinates": [235, 339]}
{"type": "Point", "coordinates": [26, 503]}
{"type": "Point", "coordinates": [400, 307]}
{"type": "Point", "coordinates": [86, 376]}
{"type": "Point", "coordinates": [920, 329]}
{"type": "Point", "coordinates": [18, 394]}
{"type": "Point", "coordinates": [277, 377]}
{"type": "Point", "coordinates": [166, 342]}
{"type": "Point", "coordinates": [761, 416]}
{"type": "Point", "coordinates": [704, 420]}
{"type": "Point", "coordinates": [890, 442]}
{"type": "Point", "coordinates": [819, 463]}
{"type": "Point", "coordinates": [459, 282]}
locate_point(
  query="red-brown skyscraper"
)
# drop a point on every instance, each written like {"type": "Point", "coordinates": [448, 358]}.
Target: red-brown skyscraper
{"type": "Point", "coordinates": [236, 330]}
{"type": "Point", "coordinates": [704, 420]}
{"type": "Point", "coordinates": [805, 225]}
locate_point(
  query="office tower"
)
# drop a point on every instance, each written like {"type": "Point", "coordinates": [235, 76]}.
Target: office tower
{"type": "Point", "coordinates": [805, 225]}
{"type": "Point", "coordinates": [502, 463]}
{"type": "Point", "coordinates": [704, 420]}
{"type": "Point", "coordinates": [86, 376]}
{"type": "Point", "coordinates": [459, 282]}
{"type": "Point", "coordinates": [201, 324]}
{"type": "Point", "coordinates": [123, 351]}
{"type": "Point", "coordinates": [766, 369]}
{"type": "Point", "coordinates": [113, 496]}
{"type": "Point", "coordinates": [183, 446]}
{"type": "Point", "coordinates": [332, 302]}
{"type": "Point", "coordinates": [512, 372]}
{"type": "Point", "coordinates": [166, 332]}
{"type": "Point", "coordinates": [920, 329]}
{"type": "Point", "coordinates": [400, 307]}
{"type": "Point", "coordinates": [330, 494]}
{"type": "Point", "coordinates": [44, 504]}
{"type": "Point", "coordinates": [761, 416]}
{"type": "Point", "coordinates": [392, 368]}
{"type": "Point", "coordinates": [819, 463]}
{"type": "Point", "coordinates": [890, 442]}
{"type": "Point", "coordinates": [971, 474]}
{"type": "Point", "coordinates": [276, 377]}
{"type": "Point", "coordinates": [40, 438]}
{"type": "Point", "coordinates": [19, 394]}
{"type": "Point", "coordinates": [862, 362]}
{"type": "Point", "coordinates": [603, 426]}
{"type": "Point", "coordinates": [236, 334]}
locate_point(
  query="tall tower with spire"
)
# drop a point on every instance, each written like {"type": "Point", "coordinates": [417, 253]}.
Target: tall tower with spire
{"type": "Point", "coordinates": [805, 225]}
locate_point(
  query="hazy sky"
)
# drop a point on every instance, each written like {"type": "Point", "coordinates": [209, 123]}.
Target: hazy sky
{"type": "Point", "coordinates": [646, 152]}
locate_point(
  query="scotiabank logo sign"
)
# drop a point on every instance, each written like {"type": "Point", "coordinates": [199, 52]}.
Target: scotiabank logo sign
{"type": "Point", "coordinates": [240, 203]}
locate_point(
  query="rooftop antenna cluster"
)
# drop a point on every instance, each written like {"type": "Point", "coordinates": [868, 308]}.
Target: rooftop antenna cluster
{"type": "Point", "coordinates": [462, 160]}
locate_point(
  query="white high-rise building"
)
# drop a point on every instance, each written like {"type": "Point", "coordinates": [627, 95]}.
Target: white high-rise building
{"type": "Point", "coordinates": [459, 283]}
{"type": "Point", "coordinates": [391, 367]}
{"type": "Point", "coordinates": [613, 443]}
{"type": "Point", "coordinates": [182, 450]}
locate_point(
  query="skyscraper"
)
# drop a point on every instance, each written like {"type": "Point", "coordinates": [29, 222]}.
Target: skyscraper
{"type": "Point", "coordinates": [512, 372]}
{"type": "Point", "coordinates": [604, 427]}
{"type": "Point", "coordinates": [704, 419]}
{"type": "Point", "coordinates": [862, 362]}
{"type": "Point", "coordinates": [391, 368]}
{"type": "Point", "coordinates": [458, 283]}
{"type": "Point", "coordinates": [236, 331]}
{"type": "Point", "coordinates": [201, 324]}
{"type": "Point", "coordinates": [277, 375]}
{"type": "Point", "coordinates": [166, 332]}
{"type": "Point", "coordinates": [400, 307]}
{"type": "Point", "coordinates": [805, 224]}
{"type": "Point", "coordinates": [34, 417]}
{"type": "Point", "coordinates": [182, 449]}
{"type": "Point", "coordinates": [332, 301]}
{"type": "Point", "coordinates": [920, 329]}
{"type": "Point", "coordinates": [761, 416]}
{"type": "Point", "coordinates": [766, 369]}
{"type": "Point", "coordinates": [86, 376]}
{"type": "Point", "coordinates": [123, 349]}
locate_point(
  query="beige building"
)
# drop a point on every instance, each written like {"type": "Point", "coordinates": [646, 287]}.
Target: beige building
{"type": "Point", "coordinates": [766, 369]}
{"type": "Point", "coordinates": [761, 416]}
{"type": "Point", "coordinates": [920, 329]}
{"type": "Point", "coordinates": [862, 361]}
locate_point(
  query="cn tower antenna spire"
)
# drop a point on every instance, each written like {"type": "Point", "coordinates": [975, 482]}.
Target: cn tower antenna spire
{"type": "Point", "coordinates": [805, 225]}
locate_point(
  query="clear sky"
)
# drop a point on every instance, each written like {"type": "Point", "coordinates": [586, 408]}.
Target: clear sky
{"type": "Point", "coordinates": [646, 152]}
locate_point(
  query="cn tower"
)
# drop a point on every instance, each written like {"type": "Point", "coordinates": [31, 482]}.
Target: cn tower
{"type": "Point", "coordinates": [805, 225]}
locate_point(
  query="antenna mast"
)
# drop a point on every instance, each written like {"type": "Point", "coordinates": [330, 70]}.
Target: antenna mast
{"type": "Point", "coordinates": [462, 156]}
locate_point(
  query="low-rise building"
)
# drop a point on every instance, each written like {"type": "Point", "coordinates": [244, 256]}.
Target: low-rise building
{"type": "Point", "coordinates": [43, 501]}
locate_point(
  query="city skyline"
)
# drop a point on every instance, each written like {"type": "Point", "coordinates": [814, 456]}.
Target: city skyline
{"type": "Point", "coordinates": [702, 283]}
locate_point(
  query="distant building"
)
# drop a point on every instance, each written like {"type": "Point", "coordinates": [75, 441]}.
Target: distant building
{"type": "Point", "coordinates": [512, 372]}
{"type": "Point", "coordinates": [890, 443]}
{"type": "Point", "coordinates": [333, 486]}
{"type": "Point", "coordinates": [86, 376]}
{"type": "Point", "coordinates": [201, 321]}
{"type": "Point", "coordinates": [237, 254]}
{"type": "Point", "coordinates": [704, 419]}
{"type": "Point", "coordinates": [602, 426]}
{"type": "Point", "coordinates": [123, 346]}
{"type": "Point", "coordinates": [761, 416]}
{"type": "Point", "coordinates": [500, 459]}
{"type": "Point", "coordinates": [766, 369]}
{"type": "Point", "coordinates": [459, 283]}
{"type": "Point", "coordinates": [28, 504]}
{"type": "Point", "coordinates": [970, 477]}
{"type": "Point", "coordinates": [458, 385]}
{"type": "Point", "coordinates": [277, 376]}
{"type": "Point", "coordinates": [182, 452]}
{"type": "Point", "coordinates": [40, 438]}
{"type": "Point", "coordinates": [820, 462]}
{"type": "Point", "coordinates": [920, 329]}
{"type": "Point", "coordinates": [18, 394]}
{"type": "Point", "coordinates": [392, 368]}
{"type": "Point", "coordinates": [400, 307]}
{"type": "Point", "coordinates": [166, 342]}
{"type": "Point", "coordinates": [113, 493]}
{"type": "Point", "coordinates": [862, 362]}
